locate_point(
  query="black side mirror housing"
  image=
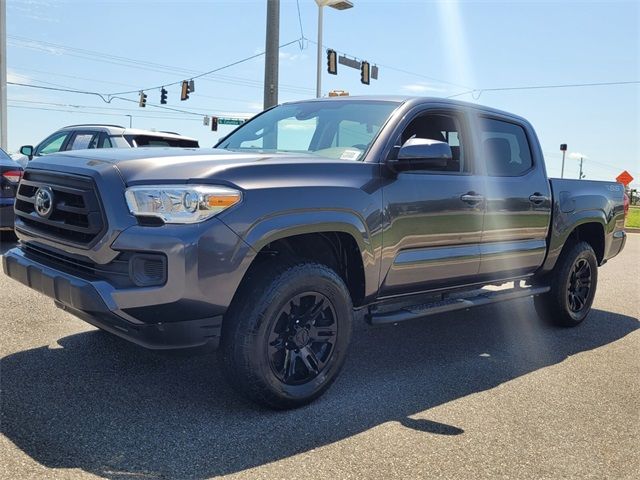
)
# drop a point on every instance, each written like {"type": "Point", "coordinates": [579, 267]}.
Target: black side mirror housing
{"type": "Point", "coordinates": [27, 150]}
{"type": "Point", "coordinates": [422, 154]}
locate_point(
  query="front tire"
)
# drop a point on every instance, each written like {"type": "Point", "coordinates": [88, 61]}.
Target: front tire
{"type": "Point", "coordinates": [573, 284]}
{"type": "Point", "coordinates": [285, 337]}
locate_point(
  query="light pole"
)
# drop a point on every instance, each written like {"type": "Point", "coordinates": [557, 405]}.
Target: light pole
{"type": "Point", "coordinates": [338, 5]}
{"type": "Point", "coordinates": [130, 119]}
{"type": "Point", "coordinates": [563, 149]}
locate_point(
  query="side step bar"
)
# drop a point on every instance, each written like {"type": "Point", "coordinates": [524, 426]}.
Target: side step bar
{"type": "Point", "coordinates": [452, 304]}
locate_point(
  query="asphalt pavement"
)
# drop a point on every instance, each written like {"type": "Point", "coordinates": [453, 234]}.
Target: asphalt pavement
{"type": "Point", "coordinates": [488, 393]}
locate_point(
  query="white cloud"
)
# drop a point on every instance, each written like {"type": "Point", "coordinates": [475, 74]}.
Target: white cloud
{"type": "Point", "coordinates": [13, 76]}
{"type": "Point", "coordinates": [420, 87]}
{"type": "Point", "coordinates": [292, 57]}
{"type": "Point", "coordinates": [577, 156]}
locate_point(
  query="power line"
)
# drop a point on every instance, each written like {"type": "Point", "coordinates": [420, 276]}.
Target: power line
{"type": "Point", "coordinates": [238, 62]}
{"type": "Point", "coordinates": [25, 107]}
{"type": "Point", "coordinates": [109, 98]}
{"type": "Point", "coordinates": [476, 93]}
{"type": "Point", "coordinates": [54, 48]}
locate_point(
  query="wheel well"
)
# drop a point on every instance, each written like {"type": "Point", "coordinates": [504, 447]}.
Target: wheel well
{"type": "Point", "coordinates": [337, 250]}
{"type": "Point", "coordinates": [593, 234]}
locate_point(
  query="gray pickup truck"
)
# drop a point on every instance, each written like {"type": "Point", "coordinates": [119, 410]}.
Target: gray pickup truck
{"type": "Point", "coordinates": [267, 245]}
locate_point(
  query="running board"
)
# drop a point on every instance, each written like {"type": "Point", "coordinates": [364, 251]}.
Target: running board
{"type": "Point", "coordinates": [486, 297]}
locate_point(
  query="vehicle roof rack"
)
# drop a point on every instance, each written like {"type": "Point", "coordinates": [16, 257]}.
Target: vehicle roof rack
{"type": "Point", "coordinates": [166, 131]}
{"type": "Point", "coordinates": [94, 125]}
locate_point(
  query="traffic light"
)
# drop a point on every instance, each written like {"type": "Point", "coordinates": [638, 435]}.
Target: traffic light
{"type": "Point", "coordinates": [184, 94]}
{"type": "Point", "coordinates": [163, 96]}
{"type": "Point", "coordinates": [192, 86]}
{"type": "Point", "coordinates": [365, 73]}
{"type": "Point", "coordinates": [332, 62]}
{"type": "Point", "coordinates": [214, 124]}
{"type": "Point", "coordinates": [143, 99]}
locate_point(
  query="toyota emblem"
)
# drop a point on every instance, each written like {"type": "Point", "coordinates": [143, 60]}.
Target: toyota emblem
{"type": "Point", "coordinates": [43, 201]}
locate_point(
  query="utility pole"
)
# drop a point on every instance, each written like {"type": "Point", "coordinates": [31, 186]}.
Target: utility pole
{"type": "Point", "coordinates": [563, 148]}
{"type": "Point", "coordinates": [581, 176]}
{"type": "Point", "coordinates": [3, 74]}
{"type": "Point", "coordinates": [272, 52]}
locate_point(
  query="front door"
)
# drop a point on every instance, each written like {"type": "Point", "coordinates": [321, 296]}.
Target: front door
{"type": "Point", "coordinates": [433, 219]}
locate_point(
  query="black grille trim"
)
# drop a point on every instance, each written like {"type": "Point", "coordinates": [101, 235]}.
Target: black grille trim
{"type": "Point", "coordinates": [77, 217]}
{"type": "Point", "coordinates": [115, 272]}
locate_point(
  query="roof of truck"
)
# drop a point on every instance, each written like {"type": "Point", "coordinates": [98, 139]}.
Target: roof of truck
{"type": "Point", "coordinates": [416, 100]}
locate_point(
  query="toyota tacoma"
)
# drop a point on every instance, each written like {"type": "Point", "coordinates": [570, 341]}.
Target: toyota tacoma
{"type": "Point", "coordinates": [266, 246]}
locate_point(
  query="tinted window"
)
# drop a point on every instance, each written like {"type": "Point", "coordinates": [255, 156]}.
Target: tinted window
{"type": "Point", "coordinates": [441, 127]}
{"type": "Point", "coordinates": [52, 144]}
{"type": "Point", "coordinates": [105, 142]}
{"type": "Point", "coordinates": [158, 141]}
{"type": "Point", "coordinates": [505, 148]}
{"type": "Point", "coordinates": [83, 140]}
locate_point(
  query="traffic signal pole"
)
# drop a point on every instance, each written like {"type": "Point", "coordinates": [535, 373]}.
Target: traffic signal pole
{"type": "Point", "coordinates": [3, 74]}
{"type": "Point", "coordinates": [319, 60]}
{"type": "Point", "coordinates": [272, 53]}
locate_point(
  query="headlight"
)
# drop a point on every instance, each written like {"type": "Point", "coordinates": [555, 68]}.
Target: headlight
{"type": "Point", "coordinates": [180, 203]}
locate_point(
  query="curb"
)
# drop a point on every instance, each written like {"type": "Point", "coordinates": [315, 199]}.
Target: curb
{"type": "Point", "coordinates": [631, 230]}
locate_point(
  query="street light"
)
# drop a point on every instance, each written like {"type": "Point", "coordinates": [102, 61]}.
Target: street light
{"type": "Point", "coordinates": [338, 5]}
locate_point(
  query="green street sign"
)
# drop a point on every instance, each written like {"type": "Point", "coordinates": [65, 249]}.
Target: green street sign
{"type": "Point", "coordinates": [230, 121]}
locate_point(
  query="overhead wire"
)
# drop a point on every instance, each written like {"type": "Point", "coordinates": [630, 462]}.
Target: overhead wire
{"type": "Point", "coordinates": [477, 92]}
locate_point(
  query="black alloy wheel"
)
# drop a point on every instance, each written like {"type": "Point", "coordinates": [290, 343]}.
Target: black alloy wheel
{"type": "Point", "coordinates": [572, 284]}
{"type": "Point", "coordinates": [302, 339]}
{"type": "Point", "coordinates": [287, 333]}
{"type": "Point", "coordinates": [579, 285]}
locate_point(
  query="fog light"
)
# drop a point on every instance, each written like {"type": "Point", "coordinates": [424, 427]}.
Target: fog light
{"type": "Point", "coordinates": [147, 270]}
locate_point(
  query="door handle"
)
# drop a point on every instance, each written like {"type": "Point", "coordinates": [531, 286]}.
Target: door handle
{"type": "Point", "coordinates": [472, 198]}
{"type": "Point", "coordinates": [538, 198]}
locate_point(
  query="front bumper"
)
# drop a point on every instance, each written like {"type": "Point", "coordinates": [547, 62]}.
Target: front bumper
{"type": "Point", "coordinates": [86, 300]}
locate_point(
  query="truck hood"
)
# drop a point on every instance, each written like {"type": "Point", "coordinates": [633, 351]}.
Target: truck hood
{"type": "Point", "coordinates": [175, 165]}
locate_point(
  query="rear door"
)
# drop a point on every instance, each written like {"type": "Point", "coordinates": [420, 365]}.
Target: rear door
{"type": "Point", "coordinates": [433, 218]}
{"type": "Point", "coordinates": [518, 197]}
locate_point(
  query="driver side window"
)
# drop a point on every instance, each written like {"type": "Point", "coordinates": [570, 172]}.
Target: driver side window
{"type": "Point", "coordinates": [443, 128]}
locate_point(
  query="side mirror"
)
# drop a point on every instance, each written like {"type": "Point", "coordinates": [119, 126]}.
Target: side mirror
{"type": "Point", "coordinates": [27, 150]}
{"type": "Point", "coordinates": [422, 154]}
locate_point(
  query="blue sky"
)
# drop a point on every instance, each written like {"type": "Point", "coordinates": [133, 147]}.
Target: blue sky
{"type": "Point", "coordinates": [421, 47]}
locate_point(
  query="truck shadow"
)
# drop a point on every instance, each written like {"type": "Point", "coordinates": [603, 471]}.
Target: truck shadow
{"type": "Point", "coordinates": [117, 411]}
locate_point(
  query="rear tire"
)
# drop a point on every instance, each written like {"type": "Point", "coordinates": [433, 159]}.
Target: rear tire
{"type": "Point", "coordinates": [573, 284]}
{"type": "Point", "coordinates": [285, 338]}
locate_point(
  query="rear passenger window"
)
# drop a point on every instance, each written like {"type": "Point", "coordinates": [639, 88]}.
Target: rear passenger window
{"type": "Point", "coordinates": [505, 148]}
{"type": "Point", "coordinates": [82, 141]}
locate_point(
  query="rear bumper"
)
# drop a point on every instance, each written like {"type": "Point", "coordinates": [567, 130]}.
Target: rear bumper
{"type": "Point", "coordinates": [6, 213]}
{"type": "Point", "coordinates": [89, 301]}
{"type": "Point", "coordinates": [618, 242]}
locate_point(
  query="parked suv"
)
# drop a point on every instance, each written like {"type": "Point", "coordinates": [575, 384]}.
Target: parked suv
{"type": "Point", "coordinates": [79, 137]}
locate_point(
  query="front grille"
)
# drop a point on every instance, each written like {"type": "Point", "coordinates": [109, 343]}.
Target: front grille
{"type": "Point", "coordinates": [76, 215]}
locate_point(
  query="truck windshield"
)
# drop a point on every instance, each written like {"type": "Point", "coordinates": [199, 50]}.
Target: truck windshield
{"type": "Point", "coordinates": [335, 129]}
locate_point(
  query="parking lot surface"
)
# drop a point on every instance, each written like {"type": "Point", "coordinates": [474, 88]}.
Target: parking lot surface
{"type": "Point", "coordinates": [488, 393]}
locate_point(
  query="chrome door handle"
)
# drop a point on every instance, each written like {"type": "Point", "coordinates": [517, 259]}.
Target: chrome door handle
{"type": "Point", "coordinates": [537, 198]}
{"type": "Point", "coordinates": [471, 198]}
